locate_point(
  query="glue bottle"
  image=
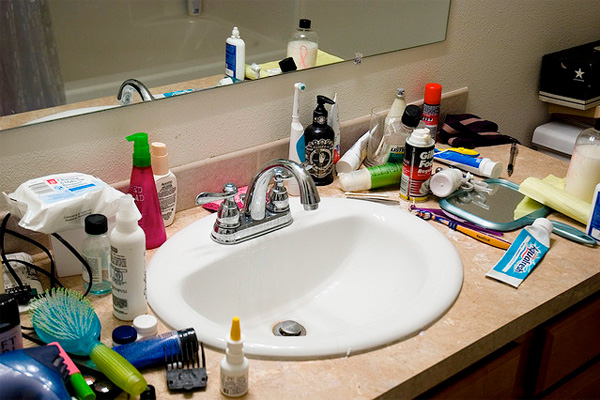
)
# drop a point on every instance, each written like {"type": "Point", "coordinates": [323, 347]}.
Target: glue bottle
{"type": "Point", "coordinates": [416, 166]}
{"type": "Point", "coordinates": [234, 366]}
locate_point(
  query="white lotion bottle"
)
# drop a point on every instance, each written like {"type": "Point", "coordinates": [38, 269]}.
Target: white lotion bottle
{"type": "Point", "coordinates": [396, 110]}
{"type": "Point", "coordinates": [128, 262]}
{"type": "Point", "coordinates": [234, 366]}
{"type": "Point", "coordinates": [166, 182]}
{"type": "Point", "coordinates": [235, 56]}
{"type": "Point", "coordinates": [296, 149]}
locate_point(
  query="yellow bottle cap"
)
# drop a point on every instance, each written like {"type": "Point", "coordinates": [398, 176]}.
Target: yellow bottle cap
{"type": "Point", "coordinates": [236, 332]}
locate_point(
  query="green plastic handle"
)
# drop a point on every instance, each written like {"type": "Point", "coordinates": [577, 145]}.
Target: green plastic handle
{"type": "Point", "coordinates": [82, 390]}
{"type": "Point", "coordinates": [118, 370]}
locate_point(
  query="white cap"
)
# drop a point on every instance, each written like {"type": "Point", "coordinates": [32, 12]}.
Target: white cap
{"type": "Point", "coordinates": [355, 180]}
{"type": "Point", "coordinates": [350, 162]}
{"type": "Point", "coordinates": [127, 210]}
{"type": "Point", "coordinates": [544, 223]}
{"type": "Point", "coordinates": [145, 325]}
{"type": "Point", "coordinates": [159, 158]}
{"type": "Point", "coordinates": [490, 169]}
{"type": "Point", "coordinates": [420, 137]}
{"type": "Point", "coordinates": [445, 182]}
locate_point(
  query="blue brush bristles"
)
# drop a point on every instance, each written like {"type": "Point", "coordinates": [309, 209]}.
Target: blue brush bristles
{"type": "Point", "coordinates": [65, 316]}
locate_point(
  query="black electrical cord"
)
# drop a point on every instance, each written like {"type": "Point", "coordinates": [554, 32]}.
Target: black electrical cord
{"type": "Point", "coordinates": [3, 254]}
{"type": "Point", "coordinates": [53, 280]}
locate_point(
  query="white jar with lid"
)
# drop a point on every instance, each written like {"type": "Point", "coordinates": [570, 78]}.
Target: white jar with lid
{"type": "Point", "coordinates": [584, 168]}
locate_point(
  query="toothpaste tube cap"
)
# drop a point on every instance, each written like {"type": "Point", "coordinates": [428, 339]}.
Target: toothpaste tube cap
{"type": "Point", "coordinates": [544, 224]}
{"type": "Point", "coordinates": [490, 168]}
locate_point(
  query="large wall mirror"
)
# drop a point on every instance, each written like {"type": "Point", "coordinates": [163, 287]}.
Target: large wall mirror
{"type": "Point", "coordinates": [75, 54]}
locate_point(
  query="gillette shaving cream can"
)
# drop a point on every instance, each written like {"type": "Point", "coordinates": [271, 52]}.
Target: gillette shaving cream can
{"type": "Point", "coordinates": [416, 166]}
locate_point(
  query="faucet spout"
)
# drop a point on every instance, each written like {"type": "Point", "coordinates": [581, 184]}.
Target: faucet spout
{"type": "Point", "coordinates": [256, 195]}
{"type": "Point", "coordinates": [125, 94]}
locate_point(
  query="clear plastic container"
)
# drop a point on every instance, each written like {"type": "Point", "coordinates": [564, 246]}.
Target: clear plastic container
{"type": "Point", "coordinates": [95, 249]}
{"type": "Point", "coordinates": [395, 135]}
{"type": "Point", "coordinates": [584, 168]}
{"type": "Point", "coordinates": [304, 45]}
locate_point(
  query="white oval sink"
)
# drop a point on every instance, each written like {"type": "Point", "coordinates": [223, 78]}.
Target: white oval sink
{"type": "Point", "coordinates": [356, 275]}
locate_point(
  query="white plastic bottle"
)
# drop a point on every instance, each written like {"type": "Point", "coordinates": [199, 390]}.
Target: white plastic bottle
{"type": "Point", "coordinates": [593, 225]}
{"type": "Point", "coordinates": [95, 249]}
{"type": "Point", "coordinates": [234, 366]}
{"type": "Point", "coordinates": [166, 182]}
{"type": "Point", "coordinates": [128, 262]}
{"type": "Point", "coordinates": [584, 169]}
{"type": "Point", "coordinates": [303, 45]}
{"type": "Point", "coordinates": [397, 109]}
{"type": "Point", "coordinates": [235, 56]}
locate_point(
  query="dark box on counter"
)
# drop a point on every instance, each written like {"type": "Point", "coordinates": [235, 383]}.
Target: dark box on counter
{"type": "Point", "coordinates": [571, 77]}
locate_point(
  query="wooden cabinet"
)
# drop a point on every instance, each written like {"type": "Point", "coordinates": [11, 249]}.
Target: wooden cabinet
{"type": "Point", "coordinates": [568, 341]}
{"type": "Point", "coordinates": [558, 360]}
{"type": "Point", "coordinates": [497, 376]}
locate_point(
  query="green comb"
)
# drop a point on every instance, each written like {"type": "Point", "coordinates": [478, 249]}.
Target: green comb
{"type": "Point", "coordinates": [65, 316]}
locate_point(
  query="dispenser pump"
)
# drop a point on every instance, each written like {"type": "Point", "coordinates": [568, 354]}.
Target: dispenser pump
{"type": "Point", "coordinates": [320, 113]}
{"type": "Point", "coordinates": [141, 149]}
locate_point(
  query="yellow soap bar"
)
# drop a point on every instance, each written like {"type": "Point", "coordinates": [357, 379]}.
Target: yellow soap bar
{"type": "Point", "coordinates": [549, 193]}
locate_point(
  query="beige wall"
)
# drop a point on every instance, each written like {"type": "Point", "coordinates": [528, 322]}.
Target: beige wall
{"type": "Point", "coordinates": [494, 47]}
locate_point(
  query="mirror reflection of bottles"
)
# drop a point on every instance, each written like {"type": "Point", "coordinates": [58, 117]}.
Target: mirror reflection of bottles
{"type": "Point", "coordinates": [303, 45]}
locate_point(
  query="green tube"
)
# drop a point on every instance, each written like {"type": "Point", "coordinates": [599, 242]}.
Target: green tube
{"type": "Point", "coordinates": [372, 177]}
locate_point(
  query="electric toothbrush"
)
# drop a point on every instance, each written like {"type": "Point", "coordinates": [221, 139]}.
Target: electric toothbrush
{"type": "Point", "coordinates": [296, 149]}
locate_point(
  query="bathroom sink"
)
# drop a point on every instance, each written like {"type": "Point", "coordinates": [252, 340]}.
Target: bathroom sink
{"type": "Point", "coordinates": [356, 275]}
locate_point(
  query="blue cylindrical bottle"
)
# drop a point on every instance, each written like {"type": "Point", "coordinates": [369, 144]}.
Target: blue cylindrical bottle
{"type": "Point", "coordinates": [160, 349]}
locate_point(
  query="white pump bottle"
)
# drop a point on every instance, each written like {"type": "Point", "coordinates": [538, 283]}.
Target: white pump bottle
{"type": "Point", "coordinates": [128, 262]}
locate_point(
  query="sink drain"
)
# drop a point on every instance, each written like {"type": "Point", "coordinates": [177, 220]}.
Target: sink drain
{"type": "Point", "coordinates": [289, 328]}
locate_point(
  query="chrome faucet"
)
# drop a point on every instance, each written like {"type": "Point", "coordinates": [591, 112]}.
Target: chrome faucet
{"type": "Point", "coordinates": [125, 94]}
{"type": "Point", "coordinates": [257, 216]}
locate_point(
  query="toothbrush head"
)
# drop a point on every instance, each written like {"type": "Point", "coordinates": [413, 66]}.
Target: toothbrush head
{"type": "Point", "coordinates": [300, 86]}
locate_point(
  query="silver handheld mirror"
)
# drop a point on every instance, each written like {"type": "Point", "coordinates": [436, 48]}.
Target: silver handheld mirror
{"type": "Point", "coordinates": [505, 209]}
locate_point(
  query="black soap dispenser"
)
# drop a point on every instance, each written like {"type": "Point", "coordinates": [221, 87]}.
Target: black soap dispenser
{"type": "Point", "coordinates": [319, 145]}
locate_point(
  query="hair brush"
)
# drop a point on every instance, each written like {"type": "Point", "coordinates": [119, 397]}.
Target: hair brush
{"type": "Point", "coordinates": [65, 316]}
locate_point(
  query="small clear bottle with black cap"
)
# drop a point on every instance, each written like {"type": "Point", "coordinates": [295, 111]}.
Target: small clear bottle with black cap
{"type": "Point", "coordinates": [319, 139]}
{"type": "Point", "coordinates": [95, 249]}
{"type": "Point", "coordinates": [395, 135]}
{"type": "Point", "coordinates": [304, 45]}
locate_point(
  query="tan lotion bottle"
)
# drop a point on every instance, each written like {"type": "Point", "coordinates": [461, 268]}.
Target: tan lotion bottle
{"type": "Point", "coordinates": [166, 182]}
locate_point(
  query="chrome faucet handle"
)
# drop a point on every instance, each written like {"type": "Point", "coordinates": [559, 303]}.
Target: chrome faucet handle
{"type": "Point", "coordinates": [283, 174]}
{"type": "Point", "coordinates": [278, 195]}
{"type": "Point", "coordinates": [228, 216]}
{"type": "Point", "coordinates": [229, 191]}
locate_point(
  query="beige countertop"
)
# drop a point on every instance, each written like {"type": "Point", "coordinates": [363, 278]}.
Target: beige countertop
{"type": "Point", "coordinates": [486, 315]}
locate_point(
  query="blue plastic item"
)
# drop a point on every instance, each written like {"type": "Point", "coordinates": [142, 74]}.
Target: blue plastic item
{"type": "Point", "coordinates": [48, 381]}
